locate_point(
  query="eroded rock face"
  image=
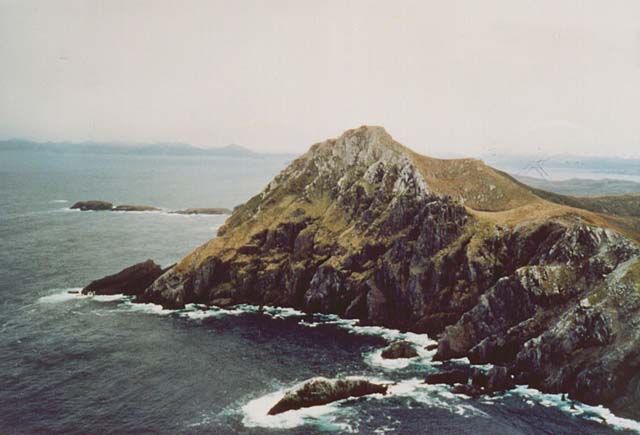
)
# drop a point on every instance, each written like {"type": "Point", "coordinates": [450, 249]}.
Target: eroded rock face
{"type": "Point", "coordinates": [399, 349]}
{"type": "Point", "coordinates": [132, 280]}
{"type": "Point", "coordinates": [320, 391]}
{"type": "Point", "coordinates": [449, 377]}
{"type": "Point", "coordinates": [359, 227]}
{"type": "Point", "coordinates": [92, 205]}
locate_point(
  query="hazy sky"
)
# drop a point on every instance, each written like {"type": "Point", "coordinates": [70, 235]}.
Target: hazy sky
{"type": "Point", "coordinates": [444, 77]}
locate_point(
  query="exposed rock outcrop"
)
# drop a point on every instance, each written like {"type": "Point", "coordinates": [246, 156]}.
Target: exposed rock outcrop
{"type": "Point", "coordinates": [92, 205]}
{"type": "Point", "coordinates": [132, 280]}
{"type": "Point", "coordinates": [450, 377]}
{"type": "Point", "coordinates": [362, 227]}
{"type": "Point", "coordinates": [320, 391]}
{"type": "Point", "coordinates": [399, 349]}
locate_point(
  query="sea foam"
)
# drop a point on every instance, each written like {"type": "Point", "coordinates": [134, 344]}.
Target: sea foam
{"type": "Point", "coordinates": [74, 293]}
{"type": "Point", "coordinates": [256, 414]}
{"type": "Point", "coordinates": [599, 413]}
{"type": "Point", "coordinates": [63, 295]}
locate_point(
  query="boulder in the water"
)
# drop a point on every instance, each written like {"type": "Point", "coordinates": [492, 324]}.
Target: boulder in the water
{"type": "Point", "coordinates": [399, 349]}
{"type": "Point", "coordinates": [449, 377]}
{"type": "Point", "coordinates": [320, 391]}
{"type": "Point", "coordinates": [130, 281]}
{"type": "Point", "coordinates": [92, 205]}
{"type": "Point", "coordinates": [468, 390]}
{"type": "Point", "coordinates": [494, 380]}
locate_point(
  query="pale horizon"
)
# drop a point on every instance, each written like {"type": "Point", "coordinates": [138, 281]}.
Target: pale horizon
{"type": "Point", "coordinates": [455, 79]}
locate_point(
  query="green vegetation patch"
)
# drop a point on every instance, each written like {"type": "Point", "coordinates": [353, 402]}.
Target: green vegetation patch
{"type": "Point", "coordinates": [633, 274]}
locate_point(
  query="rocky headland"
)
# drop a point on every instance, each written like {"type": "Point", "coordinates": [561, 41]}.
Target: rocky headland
{"type": "Point", "coordinates": [545, 287]}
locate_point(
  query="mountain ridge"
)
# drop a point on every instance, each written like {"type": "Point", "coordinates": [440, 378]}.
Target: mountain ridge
{"type": "Point", "coordinates": [158, 148]}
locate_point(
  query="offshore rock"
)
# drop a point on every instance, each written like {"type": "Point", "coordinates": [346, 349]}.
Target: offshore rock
{"type": "Point", "coordinates": [450, 377]}
{"type": "Point", "coordinates": [92, 205]}
{"type": "Point", "coordinates": [320, 391]}
{"type": "Point", "coordinates": [132, 280]}
{"type": "Point", "coordinates": [399, 349]}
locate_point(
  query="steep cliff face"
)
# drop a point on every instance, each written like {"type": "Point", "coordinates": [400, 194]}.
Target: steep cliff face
{"type": "Point", "coordinates": [362, 227]}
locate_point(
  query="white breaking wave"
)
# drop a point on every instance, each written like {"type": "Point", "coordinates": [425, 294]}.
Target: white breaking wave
{"type": "Point", "coordinates": [74, 293]}
{"type": "Point", "coordinates": [273, 312]}
{"type": "Point", "coordinates": [391, 335]}
{"type": "Point", "coordinates": [63, 295]}
{"type": "Point", "coordinates": [374, 358]}
{"type": "Point", "coordinates": [440, 396]}
{"type": "Point", "coordinates": [256, 414]}
{"type": "Point", "coordinates": [436, 396]}
{"type": "Point", "coordinates": [58, 201]}
{"type": "Point", "coordinates": [256, 411]}
{"type": "Point", "coordinates": [129, 305]}
{"type": "Point", "coordinates": [599, 413]}
{"type": "Point", "coordinates": [109, 298]}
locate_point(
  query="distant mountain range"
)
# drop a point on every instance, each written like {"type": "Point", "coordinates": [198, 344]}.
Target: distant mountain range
{"type": "Point", "coordinates": [164, 148]}
{"type": "Point", "coordinates": [582, 186]}
{"type": "Point", "coordinates": [549, 166]}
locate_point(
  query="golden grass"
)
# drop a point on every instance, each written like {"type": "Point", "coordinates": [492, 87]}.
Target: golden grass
{"type": "Point", "coordinates": [475, 184]}
{"type": "Point", "coordinates": [491, 196]}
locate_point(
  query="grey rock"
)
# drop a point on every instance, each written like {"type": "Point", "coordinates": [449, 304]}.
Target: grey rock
{"type": "Point", "coordinates": [320, 391]}
{"type": "Point", "coordinates": [132, 280]}
{"type": "Point", "coordinates": [399, 349]}
{"type": "Point", "coordinates": [92, 205]}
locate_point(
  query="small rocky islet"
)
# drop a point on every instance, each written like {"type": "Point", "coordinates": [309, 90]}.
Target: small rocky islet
{"type": "Point", "coordinates": [95, 205]}
{"type": "Point", "coordinates": [497, 272]}
{"type": "Point", "coordinates": [320, 391]}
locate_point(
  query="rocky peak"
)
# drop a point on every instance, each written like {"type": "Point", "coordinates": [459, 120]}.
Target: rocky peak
{"type": "Point", "coordinates": [361, 146]}
{"type": "Point", "coordinates": [362, 227]}
{"type": "Point", "coordinates": [363, 154]}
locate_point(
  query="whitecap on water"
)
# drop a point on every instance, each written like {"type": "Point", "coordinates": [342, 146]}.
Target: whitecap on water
{"type": "Point", "coordinates": [273, 312]}
{"type": "Point", "coordinates": [438, 396]}
{"type": "Point", "coordinates": [58, 201]}
{"type": "Point", "coordinates": [110, 298]}
{"type": "Point", "coordinates": [256, 411]}
{"type": "Point", "coordinates": [374, 358]}
{"type": "Point", "coordinates": [74, 293]}
{"type": "Point", "coordinates": [256, 414]}
{"type": "Point", "coordinates": [352, 325]}
{"type": "Point", "coordinates": [599, 413]}
{"type": "Point", "coordinates": [63, 295]}
{"type": "Point", "coordinates": [199, 312]}
{"type": "Point", "coordinates": [146, 308]}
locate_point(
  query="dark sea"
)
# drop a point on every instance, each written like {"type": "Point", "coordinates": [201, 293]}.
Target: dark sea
{"type": "Point", "coordinates": [72, 364]}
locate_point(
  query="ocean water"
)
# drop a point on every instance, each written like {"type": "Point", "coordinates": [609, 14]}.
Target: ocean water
{"type": "Point", "coordinates": [72, 364]}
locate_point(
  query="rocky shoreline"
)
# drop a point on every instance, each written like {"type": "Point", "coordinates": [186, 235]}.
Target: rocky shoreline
{"type": "Point", "coordinates": [364, 228]}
